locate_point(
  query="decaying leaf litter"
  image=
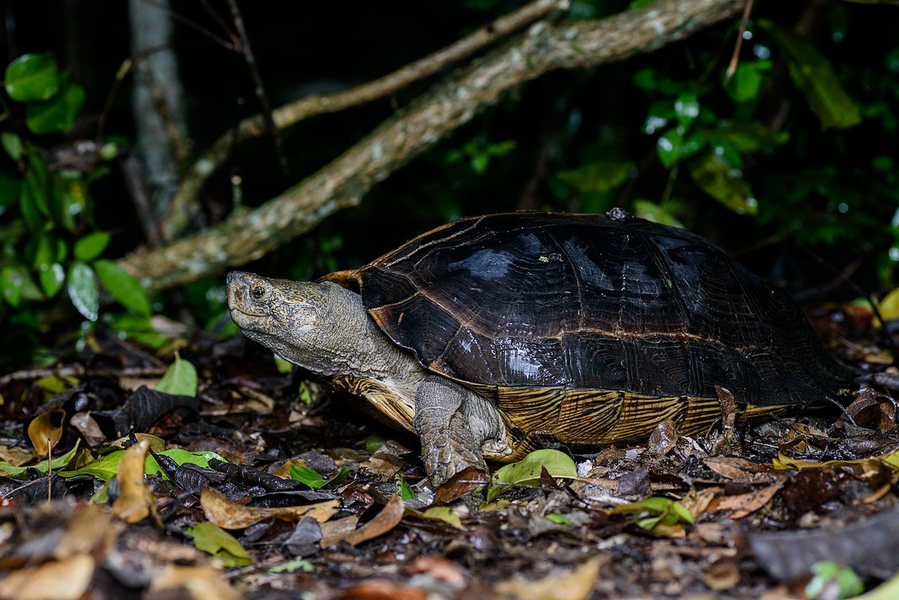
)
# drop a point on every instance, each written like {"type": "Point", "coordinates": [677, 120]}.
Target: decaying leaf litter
{"type": "Point", "coordinates": [226, 478]}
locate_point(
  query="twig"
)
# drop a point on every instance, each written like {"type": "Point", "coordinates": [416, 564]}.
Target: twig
{"type": "Point", "coordinates": [250, 234]}
{"type": "Point", "coordinates": [259, 88]}
{"type": "Point", "coordinates": [134, 181]}
{"type": "Point", "coordinates": [735, 58]}
{"type": "Point", "coordinates": [177, 218]}
{"type": "Point", "coordinates": [80, 371]}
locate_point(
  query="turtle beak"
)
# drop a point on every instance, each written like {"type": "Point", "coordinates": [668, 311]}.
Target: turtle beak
{"type": "Point", "coordinates": [240, 301]}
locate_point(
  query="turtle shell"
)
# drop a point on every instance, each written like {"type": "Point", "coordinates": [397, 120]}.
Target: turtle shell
{"type": "Point", "coordinates": [588, 329]}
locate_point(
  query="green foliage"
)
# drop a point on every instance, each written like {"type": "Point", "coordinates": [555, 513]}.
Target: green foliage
{"type": "Point", "coordinates": [528, 470]}
{"type": "Point", "coordinates": [479, 153]}
{"type": "Point", "coordinates": [179, 379]}
{"type": "Point", "coordinates": [48, 238]}
{"type": "Point", "coordinates": [848, 583]}
{"type": "Point", "coordinates": [214, 540]}
{"type": "Point", "coordinates": [313, 479]}
{"type": "Point", "coordinates": [654, 511]}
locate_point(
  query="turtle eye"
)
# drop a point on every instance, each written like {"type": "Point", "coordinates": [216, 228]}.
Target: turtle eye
{"type": "Point", "coordinates": [257, 292]}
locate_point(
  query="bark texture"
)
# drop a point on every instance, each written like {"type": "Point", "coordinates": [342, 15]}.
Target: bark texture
{"type": "Point", "coordinates": [249, 234]}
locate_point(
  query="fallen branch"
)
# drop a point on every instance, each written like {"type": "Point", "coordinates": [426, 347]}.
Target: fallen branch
{"type": "Point", "coordinates": [247, 235]}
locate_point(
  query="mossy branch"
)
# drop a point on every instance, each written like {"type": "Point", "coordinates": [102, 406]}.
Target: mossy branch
{"type": "Point", "coordinates": [249, 234]}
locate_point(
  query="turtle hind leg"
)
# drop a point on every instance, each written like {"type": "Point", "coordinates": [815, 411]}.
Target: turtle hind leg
{"type": "Point", "coordinates": [454, 424]}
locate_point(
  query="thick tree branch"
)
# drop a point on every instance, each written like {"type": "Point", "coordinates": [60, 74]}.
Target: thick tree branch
{"type": "Point", "coordinates": [247, 235]}
{"type": "Point", "coordinates": [184, 205]}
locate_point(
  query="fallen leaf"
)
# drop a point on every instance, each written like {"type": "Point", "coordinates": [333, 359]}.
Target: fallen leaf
{"type": "Point", "coordinates": [783, 461]}
{"type": "Point", "coordinates": [193, 583]}
{"type": "Point", "coordinates": [230, 515]}
{"type": "Point", "coordinates": [388, 518]}
{"type": "Point", "coordinates": [381, 589]}
{"type": "Point", "coordinates": [90, 531]}
{"type": "Point", "coordinates": [212, 539]}
{"type": "Point", "coordinates": [338, 529]}
{"type": "Point", "coordinates": [574, 585]}
{"type": "Point", "coordinates": [741, 505]}
{"type": "Point", "coordinates": [45, 430]}
{"type": "Point", "coordinates": [16, 456]}
{"type": "Point", "coordinates": [180, 379]}
{"type": "Point", "coordinates": [439, 568]}
{"type": "Point", "coordinates": [528, 470]}
{"type": "Point", "coordinates": [88, 428]}
{"type": "Point", "coordinates": [438, 513]}
{"type": "Point", "coordinates": [67, 579]}
{"type": "Point", "coordinates": [135, 502]}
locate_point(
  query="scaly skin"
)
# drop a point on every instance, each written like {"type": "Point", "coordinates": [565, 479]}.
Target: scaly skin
{"type": "Point", "coordinates": [324, 328]}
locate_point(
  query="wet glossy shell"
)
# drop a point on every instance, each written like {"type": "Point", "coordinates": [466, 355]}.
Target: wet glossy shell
{"type": "Point", "coordinates": [586, 329]}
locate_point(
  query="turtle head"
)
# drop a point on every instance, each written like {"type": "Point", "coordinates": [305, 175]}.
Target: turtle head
{"type": "Point", "coordinates": [285, 316]}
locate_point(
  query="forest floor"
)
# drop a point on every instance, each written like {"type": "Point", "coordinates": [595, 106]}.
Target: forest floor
{"type": "Point", "coordinates": [264, 492]}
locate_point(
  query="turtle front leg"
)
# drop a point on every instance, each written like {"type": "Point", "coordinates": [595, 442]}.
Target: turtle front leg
{"type": "Point", "coordinates": [454, 424]}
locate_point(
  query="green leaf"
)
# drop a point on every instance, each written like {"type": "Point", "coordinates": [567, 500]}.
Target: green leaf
{"type": "Point", "coordinates": [180, 379]}
{"type": "Point", "coordinates": [849, 584]}
{"type": "Point", "coordinates": [444, 514]}
{"type": "Point", "coordinates": [292, 566]}
{"type": "Point", "coordinates": [70, 198]}
{"type": "Point", "coordinates": [10, 190]}
{"type": "Point", "coordinates": [686, 108]}
{"type": "Point", "coordinates": [83, 290]}
{"type": "Point", "coordinates": [56, 464]}
{"type": "Point", "coordinates": [105, 467]}
{"type": "Point", "coordinates": [91, 246]}
{"type": "Point", "coordinates": [313, 479]}
{"type": "Point", "coordinates": [558, 519]}
{"type": "Point", "coordinates": [403, 489]}
{"type": "Point", "coordinates": [597, 177]}
{"type": "Point", "coordinates": [814, 76]}
{"type": "Point", "coordinates": [655, 212]}
{"type": "Point", "coordinates": [655, 510]}
{"type": "Point", "coordinates": [529, 469]}
{"type": "Point", "coordinates": [748, 80]}
{"type": "Point", "coordinates": [17, 285]}
{"type": "Point", "coordinates": [720, 180]}
{"type": "Point", "coordinates": [57, 114]}
{"type": "Point", "coordinates": [12, 143]}
{"type": "Point", "coordinates": [214, 540]}
{"type": "Point", "coordinates": [746, 136]}
{"type": "Point", "coordinates": [31, 201]}
{"type": "Point", "coordinates": [123, 287]}
{"type": "Point", "coordinates": [32, 77]}
{"type": "Point", "coordinates": [51, 277]}
{"type": "Point", "coordinates": [673, 146]}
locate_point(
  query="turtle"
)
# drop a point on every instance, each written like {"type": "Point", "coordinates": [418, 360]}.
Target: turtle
{"type": "Point", "coordinates": [492, 336]}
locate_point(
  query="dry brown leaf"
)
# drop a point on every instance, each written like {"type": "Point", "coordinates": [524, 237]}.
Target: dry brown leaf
{"type": "Point", "coordinates": [742, 505]}
{"type": "Point", "coordinates": [736, 469]}
{"type": "Point", "coordinates": [389, 517]}
{"type": "Point", "coordinates": [45, 430]}
{"type": "Point", "coordinates": [381, 589]}
{"type": "Point", "coordinates": [194, 583]}
{"type": "Point", "coordinates": [338, 529]}
{"type": "Point", "coordinates": [88, 428]}
{"type": "Point", "coordinates": [90, 531]}
{"type": "Point", "coordinates": [135, 502]}
{"type": "Point", "coordinates": [439, 568]}
{"type": "Point", "coordinates": [574, 585]}
{"type": "Point", "coordinates": [230, 515]}
{"type": "Point", "coordinates": [157, 444]}
{"type": "Point", "coordinates": [697, 502]}
{"type": "Point", "coordinates": [723, 574]}
{"type": "Point", "coordinates": [66, 579]}
{"type": "Point", "coordinates": [284, 470]}
{"type": "Point", "coordinates": [16, 456]}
